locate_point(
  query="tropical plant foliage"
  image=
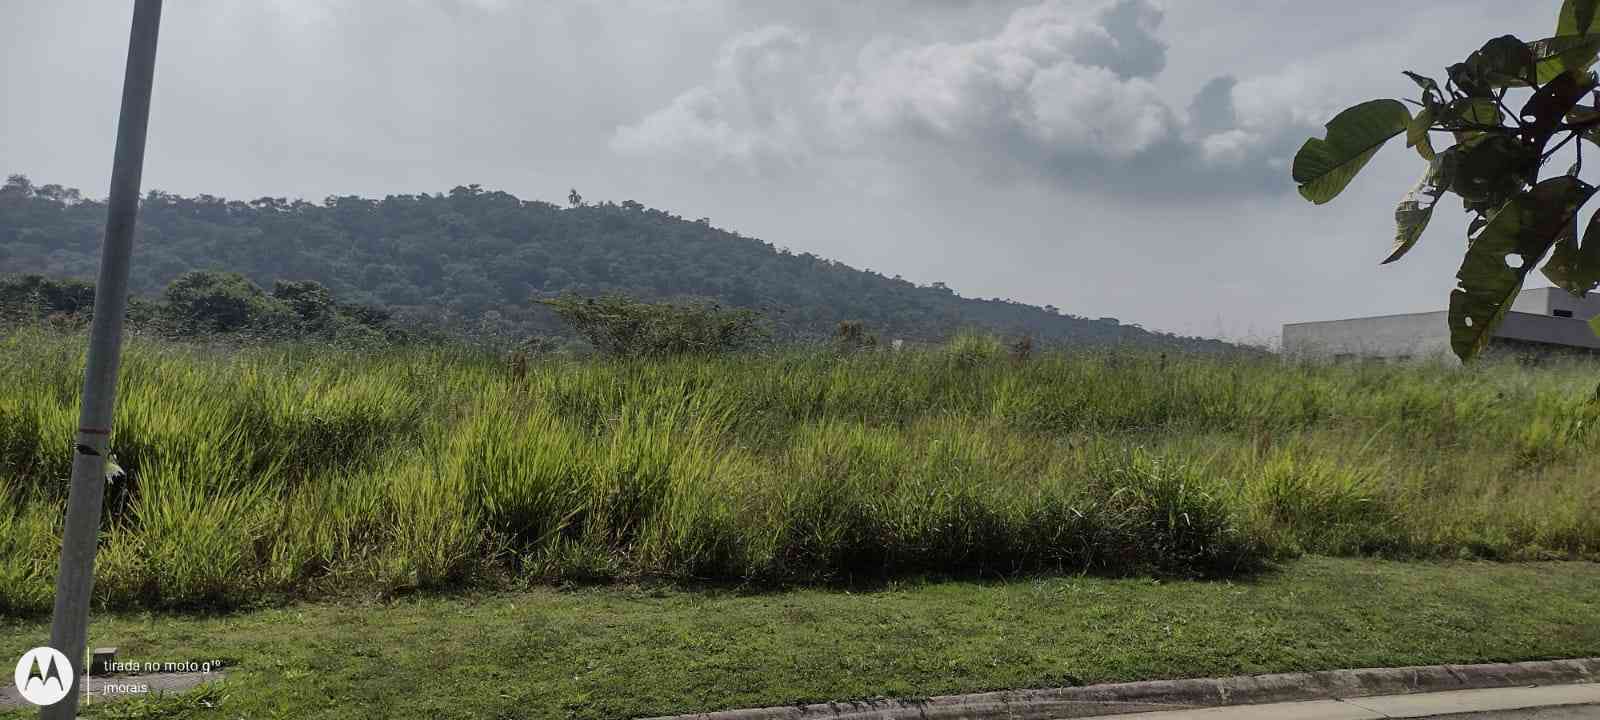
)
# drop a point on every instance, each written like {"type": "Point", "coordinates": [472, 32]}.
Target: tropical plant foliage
{"type": "Point", "coordinates": [1494, 165]}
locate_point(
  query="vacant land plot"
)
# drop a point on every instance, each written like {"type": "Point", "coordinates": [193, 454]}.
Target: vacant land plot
{"type": "Point", "coordinates": [304, 472]}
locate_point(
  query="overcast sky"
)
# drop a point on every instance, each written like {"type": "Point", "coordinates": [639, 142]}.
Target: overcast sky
{"type": "Point", "coordinates": [1124, 158]}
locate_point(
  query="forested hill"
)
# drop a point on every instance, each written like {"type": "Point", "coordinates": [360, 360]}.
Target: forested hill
{"type": "Point", "coordinates": [482, 257]}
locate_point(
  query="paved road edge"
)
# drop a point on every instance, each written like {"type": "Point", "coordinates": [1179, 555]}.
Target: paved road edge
{"type": "Point", "coordinates": [1134, 697]}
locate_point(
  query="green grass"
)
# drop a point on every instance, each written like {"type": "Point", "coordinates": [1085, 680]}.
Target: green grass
{"type": "Point", "coordinates": [267, 474]}
{"type": "Point", "coordinates": [627, 651]}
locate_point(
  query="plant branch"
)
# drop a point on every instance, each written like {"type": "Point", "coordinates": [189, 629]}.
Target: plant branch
{"type": "Point", "coordinates": [1475, 127]}
{"type": "Point", "coordinates": [1500, 100]}
{"type": "Point", "coordinates": [1585, 125]}
{"type": "Point", "coordinates": [1578, 170]}
{"type": "Point", "coordinates": [1552, 151]}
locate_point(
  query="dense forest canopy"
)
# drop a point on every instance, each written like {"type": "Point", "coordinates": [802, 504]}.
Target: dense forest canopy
{"type": "Point", "coordinates": [205, 304]}
{"type": "Point", "coordinates": [484, 258]}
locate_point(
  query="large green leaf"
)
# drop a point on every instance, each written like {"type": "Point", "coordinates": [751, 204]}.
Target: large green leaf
{"type": "Point", "coordinates": [1576, 268]}
{"type": "Point", "coordinates": [1490, 168]}
{"type": "Point", "coordinates": [1324, 167]}
{"type": "Point", "coordinates": [1469, 112]}
{"type": "Point", "coordinates": [1416, 209]}
{"type": "Point", "coordinates": [1577, 17]}
{"type": "Point", "coordinates": [1556, 55]}
{"type": "Point", "coordinates": [1583, 114]}
{"type": "Point", "coordinates": [1588, 116]}
{"type": "Point", "coordinates": [1417, 134]}
{"type": "Point", "coordinates": [1501, 255]}
{"type": "Point", "coordinates": [1543, 113]}
{"type": "Point", "coordinates": [1466, 79]}
{"type": "Point", "coordinates": [1502, 62]}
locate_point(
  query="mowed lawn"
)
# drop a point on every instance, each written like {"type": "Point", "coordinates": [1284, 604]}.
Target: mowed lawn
{"type": "Point", "coordinates": [628, 651]}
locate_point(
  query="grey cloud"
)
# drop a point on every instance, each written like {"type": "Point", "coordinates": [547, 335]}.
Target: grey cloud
{"type": "Point", "coordinates": [747, 118]}
{"type": "Point", "coordinates": [1212, 111]}
{"type": "Point", "coordinates": [1132, 48]}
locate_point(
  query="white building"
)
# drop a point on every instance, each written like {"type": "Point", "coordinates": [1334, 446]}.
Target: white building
{"type": "Point", "coordinates": [1540, 320]}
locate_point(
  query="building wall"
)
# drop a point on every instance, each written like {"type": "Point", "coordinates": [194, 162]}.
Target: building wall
{"type": "Point", "coordinates": [1545, 301]}
{"type": "Point", "coordinates": [1549, 330]}
{"type": "Point", "coordinates": [1416, 336]}
{"type": "Point", "coordinates": [1426, 336]}
{"type": "Point", "coordinates": [1533, 302]}
{"type": "Point", "coordinates": [1533, 352]}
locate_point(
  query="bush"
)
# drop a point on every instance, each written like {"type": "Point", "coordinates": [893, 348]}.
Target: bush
{"type": "Point", "coordinates": [309, 300]}
{"type": "Point", "coordinates": [1166, 516]}
{"type": "Point", "coordinates": [30, 298]}
{"type": "Point", "coordinates": [623, 327]}
{"type": "Point", "coordinates": [205, 301]}
{"type": "Point", "coordinates": [969, 350]}
{"type": "Point", "coordinates": [852, 335]}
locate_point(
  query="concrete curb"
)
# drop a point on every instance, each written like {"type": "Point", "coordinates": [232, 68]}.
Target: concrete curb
{"type": "Point", "coordinates": [1135, 697]}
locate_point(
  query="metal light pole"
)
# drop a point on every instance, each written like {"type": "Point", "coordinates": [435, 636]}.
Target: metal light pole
{"type": "Point", "coordinates": [75, 581]}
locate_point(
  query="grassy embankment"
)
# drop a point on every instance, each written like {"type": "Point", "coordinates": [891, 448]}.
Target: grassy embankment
{"type": "Point", "coordinates": [620, 652]}
{"type": "Point", "coordinates": [265, 474]}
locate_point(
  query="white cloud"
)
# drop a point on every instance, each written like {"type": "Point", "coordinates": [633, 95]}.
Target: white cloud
{"type": "Point", "coordinates": [1228, 148]}
{"type": "Point", "coordinates": [1079, 107]}
{"type": "Point", "coordinates": [1292, 97]}
{"type": "Point", "coordinates": [751, 116]}
{"type": "Point", "coordinates": [1056, 77]}
{"type": "Point", "coordinates": [1063, 82]}
{"type": "Point", "coordinates": [1118, 36]}
{"type": "Point", "coordinates": [1065, 87]}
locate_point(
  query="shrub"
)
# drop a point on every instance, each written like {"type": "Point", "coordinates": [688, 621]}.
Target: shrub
{"type": "Point", "coordinates": [623, 327]}
{"type": "Point", "coordinates": [1168, 516]}
{"type": "Point", "coordinates": [208, 301]}
{"type": "Point", "coordinates": [1022, 350]}
{"type": "Point", "coordinates": [852, 335]}
{"type": "Point", "coordinates": [309, 300]}
{"type": "Point", "coordinates": [969, 350]}
{"type": "Point", "coordinates": [29, 298]}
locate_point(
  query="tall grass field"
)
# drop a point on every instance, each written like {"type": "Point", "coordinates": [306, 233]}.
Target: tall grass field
{"type": "Point", "coordinates": [299, 471]}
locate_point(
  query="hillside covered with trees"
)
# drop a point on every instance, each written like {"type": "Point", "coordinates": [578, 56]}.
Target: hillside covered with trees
{"type": "Point", "coordinates": [480, 258]}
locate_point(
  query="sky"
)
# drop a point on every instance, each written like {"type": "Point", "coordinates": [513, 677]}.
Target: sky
{"type": "Point", "coordinates": [1125, 158]}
